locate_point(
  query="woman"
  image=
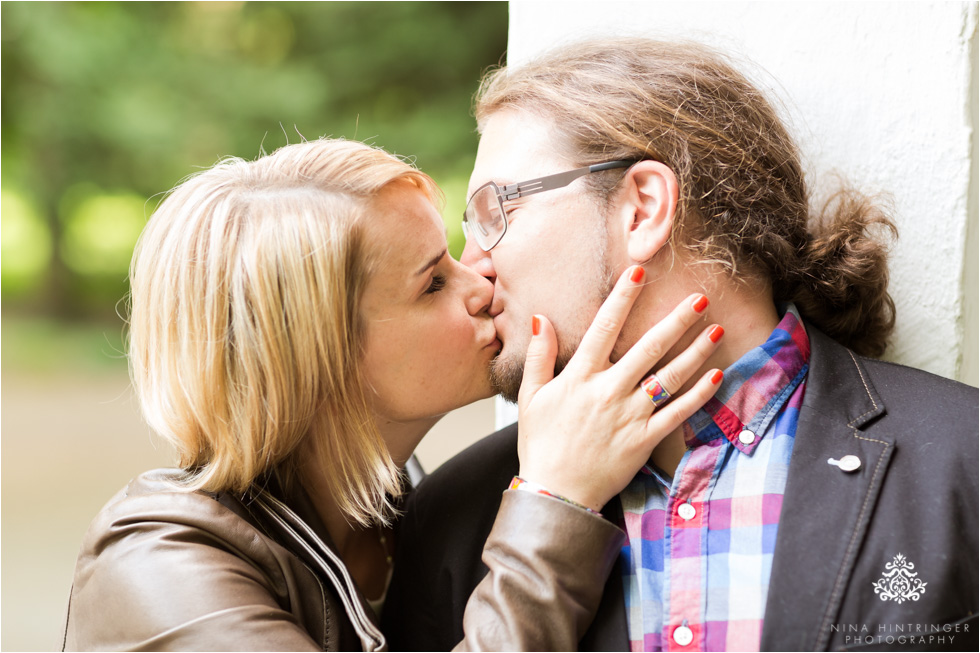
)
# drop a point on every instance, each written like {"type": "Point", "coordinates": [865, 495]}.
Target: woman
{"type": "Point", "coordinates": [297, 326]}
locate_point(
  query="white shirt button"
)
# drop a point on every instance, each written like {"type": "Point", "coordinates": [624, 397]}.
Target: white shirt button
{"type": "Point", "coordinates": [687, 512]}
{"type": "Point", "coordinates": [683, 636]}
{"type": "Point", "coordinates": [746, 437]}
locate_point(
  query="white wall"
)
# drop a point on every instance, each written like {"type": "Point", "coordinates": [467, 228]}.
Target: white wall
{"type": "Point", "coordinates": [883, 93]}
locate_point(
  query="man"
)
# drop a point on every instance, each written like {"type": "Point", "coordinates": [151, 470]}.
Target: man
{"type": "Point", "coordinates": [823, 499]}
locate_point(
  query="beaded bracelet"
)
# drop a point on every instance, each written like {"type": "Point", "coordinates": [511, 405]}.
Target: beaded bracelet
{"type": "Point", "coordinates": [518, 483]}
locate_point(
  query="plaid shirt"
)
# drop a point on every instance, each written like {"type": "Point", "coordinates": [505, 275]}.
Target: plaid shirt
{"type": "Point", "coordinates": [699, 550]}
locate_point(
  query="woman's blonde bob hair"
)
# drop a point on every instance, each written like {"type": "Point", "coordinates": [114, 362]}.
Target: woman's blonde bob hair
{"type": "Point", "coordinates": [244, 336]}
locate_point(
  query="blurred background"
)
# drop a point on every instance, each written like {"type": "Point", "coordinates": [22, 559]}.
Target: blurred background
{"type": "Point", "coordinates": [104, 107]}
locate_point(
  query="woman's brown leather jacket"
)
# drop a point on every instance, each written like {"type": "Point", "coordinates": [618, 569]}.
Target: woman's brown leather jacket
{"type": "Point", "coordinates": [163, 569]}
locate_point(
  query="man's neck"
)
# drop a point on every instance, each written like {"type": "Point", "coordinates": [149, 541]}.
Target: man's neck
{"type": "Point", "coordinates": [745, 310]}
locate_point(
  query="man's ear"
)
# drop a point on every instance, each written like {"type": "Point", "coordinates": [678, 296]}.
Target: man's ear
{"type": "Point", "coordinates": [648, 211]}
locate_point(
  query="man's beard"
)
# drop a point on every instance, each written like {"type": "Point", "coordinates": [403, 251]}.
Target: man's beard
{"type": "Point", "coordinates": [507, 373]}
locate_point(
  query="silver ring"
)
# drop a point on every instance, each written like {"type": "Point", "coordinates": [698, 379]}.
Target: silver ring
{"type": "Point", "coordinates": [655, 390]}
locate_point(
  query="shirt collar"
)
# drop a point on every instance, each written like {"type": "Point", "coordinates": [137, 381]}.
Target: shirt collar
{"type": "Point", "coordinates": [755, 388]}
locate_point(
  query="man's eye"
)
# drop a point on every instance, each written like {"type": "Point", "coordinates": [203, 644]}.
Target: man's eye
{"type": "Point", "coordinates": [438, 283]}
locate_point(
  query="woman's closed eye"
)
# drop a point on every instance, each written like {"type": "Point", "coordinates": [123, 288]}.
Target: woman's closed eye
{"type": "Point", "coordinates": [438, 283]}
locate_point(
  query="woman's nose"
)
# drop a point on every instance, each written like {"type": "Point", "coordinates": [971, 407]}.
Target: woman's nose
{"type": "Point", "coordinates": [479, 291]}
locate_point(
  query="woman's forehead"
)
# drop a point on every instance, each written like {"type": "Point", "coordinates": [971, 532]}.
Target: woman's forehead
{"type": "Point", "coordinates": [405, 233]}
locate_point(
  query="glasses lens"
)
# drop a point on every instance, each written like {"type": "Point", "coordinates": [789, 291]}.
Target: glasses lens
{"type": "Point", "coordinates": [484, 219]}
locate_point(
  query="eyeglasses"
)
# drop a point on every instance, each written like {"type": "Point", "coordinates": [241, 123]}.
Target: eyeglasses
{"type": "Point", "coordinates": [485, 218]}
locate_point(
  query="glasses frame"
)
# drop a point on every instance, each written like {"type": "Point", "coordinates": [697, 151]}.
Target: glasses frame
{"type": "Point", "coordinates": [530, 187]}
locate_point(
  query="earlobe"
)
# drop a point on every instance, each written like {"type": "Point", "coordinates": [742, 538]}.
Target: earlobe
{"type": "Point", "coordinates": [651, 199]}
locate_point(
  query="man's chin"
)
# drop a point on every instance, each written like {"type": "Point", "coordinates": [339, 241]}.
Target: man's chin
{"type": "Point", "coordinates": [507, 372]}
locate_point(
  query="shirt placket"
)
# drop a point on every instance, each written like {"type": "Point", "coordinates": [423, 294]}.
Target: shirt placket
{"type": "Point", "coordinates": [686, 529]}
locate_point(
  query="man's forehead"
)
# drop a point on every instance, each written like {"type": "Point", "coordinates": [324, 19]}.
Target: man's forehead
{"type": "Point", "coordinates": [515, 146]}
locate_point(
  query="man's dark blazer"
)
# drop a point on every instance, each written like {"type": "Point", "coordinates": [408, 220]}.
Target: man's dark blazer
{"type": "Point", "coordinates": [915, 494]}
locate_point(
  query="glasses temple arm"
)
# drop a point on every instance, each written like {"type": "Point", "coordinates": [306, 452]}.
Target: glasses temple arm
{"type": "Point", "coordinates": [559, 180]}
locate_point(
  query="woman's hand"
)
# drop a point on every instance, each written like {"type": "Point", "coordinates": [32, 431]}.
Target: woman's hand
{"type": "Point", "coordinates": [585, 434]}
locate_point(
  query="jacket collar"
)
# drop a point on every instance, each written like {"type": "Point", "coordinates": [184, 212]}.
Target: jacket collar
{"type": "Point", "coordinates": [291, 519]}
{"type": "Point", "coordinates": [826, 510]}
{"type": "Point", "coordinates": [299, 502]}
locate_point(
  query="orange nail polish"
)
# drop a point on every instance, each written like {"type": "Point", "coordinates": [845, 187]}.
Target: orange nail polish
{"type": "Point", "coordinates": [717, 377]}
{"type": "Point", "coordinates": [700, 304]}
{"type": "Point", "coordinates": [636, 276]}
{"type": "Point", "coordinates": [535, 325]}
{"type": "Point", "coordinates": [716, 333]}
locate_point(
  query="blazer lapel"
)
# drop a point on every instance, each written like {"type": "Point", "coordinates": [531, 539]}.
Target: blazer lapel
{"type": "Point", "coordinates": [826, 510]}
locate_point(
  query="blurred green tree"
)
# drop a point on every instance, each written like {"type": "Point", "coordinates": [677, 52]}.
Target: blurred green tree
{"type": "Point", "coordinates": [107, 104]}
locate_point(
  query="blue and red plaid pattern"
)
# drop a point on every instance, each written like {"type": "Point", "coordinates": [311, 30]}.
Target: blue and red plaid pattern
{"type": "Point", "coordinates": [700, 544]}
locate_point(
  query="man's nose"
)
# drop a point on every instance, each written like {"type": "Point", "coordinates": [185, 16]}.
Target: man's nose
{"type": "Point", "coordinates": [477, 260]}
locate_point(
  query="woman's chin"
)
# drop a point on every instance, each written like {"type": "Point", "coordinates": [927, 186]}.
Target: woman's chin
{"type": "Point", "coordinates": [462, 394]}
{"type": "Point", "coordinates": [482, 389]}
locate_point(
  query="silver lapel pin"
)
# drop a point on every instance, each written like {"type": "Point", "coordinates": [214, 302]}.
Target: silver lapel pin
{"type": "Point", "coordinates": [846, 464]}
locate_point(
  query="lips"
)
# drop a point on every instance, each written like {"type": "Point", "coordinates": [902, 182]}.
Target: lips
{"type": "Point", "coordinates": [496, 310]}
{"type": "Point", "coordinates": [494, 344]}
{"type": "Point", "coordinates": [496, 306]}
{"type": "Point", "coordinates": [492, 340]}
{"type": "Point", "coordinates": [499, 323]}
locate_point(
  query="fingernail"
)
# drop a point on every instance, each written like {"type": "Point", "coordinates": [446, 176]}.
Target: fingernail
{"type": "Point", "coordinates": [535, 325]}
{"type": "Point", "coordinates": [636, 276]}
{"type": "Point", "coordinates": [700, 304]}
{"type": "Point", "coordinates": [716, 333]}
{"type": "Point", "coordinates": [717, 377]}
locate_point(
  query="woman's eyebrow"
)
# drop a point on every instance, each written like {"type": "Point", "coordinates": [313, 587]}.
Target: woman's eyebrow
{"type": "Point", "coordinates": [432, 262]}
